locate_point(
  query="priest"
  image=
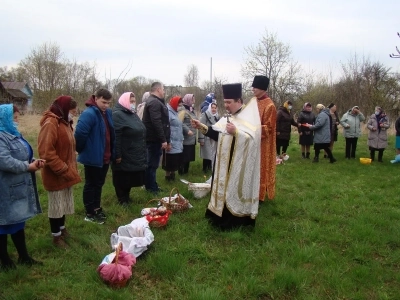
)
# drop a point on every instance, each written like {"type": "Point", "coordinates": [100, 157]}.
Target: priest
{"type": "Point", "coordinates": [236, 178]}
{"type": "Point", "coordinates": [267, 112]}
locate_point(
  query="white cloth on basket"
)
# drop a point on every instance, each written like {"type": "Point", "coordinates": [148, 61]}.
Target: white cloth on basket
{"type": "Point", "coordinates": [135, 237]}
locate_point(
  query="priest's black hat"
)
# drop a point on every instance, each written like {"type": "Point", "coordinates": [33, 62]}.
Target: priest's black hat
{"type": "Point", "coordinates": [260, 82]}
{"type": "Point", "coordinates": [232, 90]}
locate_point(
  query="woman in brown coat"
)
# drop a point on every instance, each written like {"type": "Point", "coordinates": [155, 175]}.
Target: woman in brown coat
{"type": "Point", "coordinates": [56, 144]}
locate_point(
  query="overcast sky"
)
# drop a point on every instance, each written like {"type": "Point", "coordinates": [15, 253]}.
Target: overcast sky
{"type": "Point", "coordinates": [160, 39]}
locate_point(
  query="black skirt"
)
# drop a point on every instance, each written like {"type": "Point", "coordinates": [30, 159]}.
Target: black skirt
{"type": "Point", "coordinates": [126, 180]}
{"type": "Point", "coordinates": [171, 162]}
{"type": "Point", "coordinates": [306, 139]}
{"type": "Point", "coordinates": [189, 153]}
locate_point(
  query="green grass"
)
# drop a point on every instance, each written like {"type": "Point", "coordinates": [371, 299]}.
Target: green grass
{"type": "Point", "coordinates": [332, 232]}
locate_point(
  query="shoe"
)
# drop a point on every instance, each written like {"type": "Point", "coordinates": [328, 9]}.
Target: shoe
{"type": "Point", "coordinates": [315, 160]}
{"type": "Point", "coordinates": [29, 261]}
{"type": "Point", "coordinates": [59, 242]}
{"type": "Point", "coordinates": [333, 160]}
{"type": "Point", "coordinates": [325, 156]}
{"type": "Point", "coordinates": [100, 214]}
{"type": "Point", "coordinates": [7, 265]}
{"type": "Point", "coordinates": [64, 233]}
{"type": "Point", "coordinates": [94, 219]}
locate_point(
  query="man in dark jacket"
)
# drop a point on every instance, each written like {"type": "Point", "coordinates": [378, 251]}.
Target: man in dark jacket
{"type": "Point", "coordinates": [156, 121]}
{"type": "Point", "coordinates": [95, 143]}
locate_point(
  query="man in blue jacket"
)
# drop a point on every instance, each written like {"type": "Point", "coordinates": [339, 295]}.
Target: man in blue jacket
{"type": "Point", "coordinates": [95, 143]}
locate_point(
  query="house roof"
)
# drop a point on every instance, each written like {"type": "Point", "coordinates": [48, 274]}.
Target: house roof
{"type": "Point", "coordinates": [13, 85]}
{"type": "Point", "coordinates": [17, 93]}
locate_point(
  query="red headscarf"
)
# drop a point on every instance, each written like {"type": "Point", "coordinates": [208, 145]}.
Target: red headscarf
{"type": "Point", "coordinates": [61, 107]}
{"type": "Point", "coordinates": [174, 102]}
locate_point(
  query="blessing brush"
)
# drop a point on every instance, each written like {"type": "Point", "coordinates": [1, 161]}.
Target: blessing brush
{"type": "Point", "coordinates": [182, 113]}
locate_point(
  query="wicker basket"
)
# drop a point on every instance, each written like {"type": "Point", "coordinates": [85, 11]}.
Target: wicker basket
{"type": "Point", "coordinates": [179, 204]}
{"type": "Point", "coordinates": [199, 190]}
{"type": "Point", "coordinates": [159, 220]}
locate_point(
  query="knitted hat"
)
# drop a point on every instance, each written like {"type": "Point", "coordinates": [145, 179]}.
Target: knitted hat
{"type": "Point", "coordinates": [331, 105]}
{"type": "Point", "coordinates": [260, 82]}
{"type": "Point", "coordinates": [232, 91]}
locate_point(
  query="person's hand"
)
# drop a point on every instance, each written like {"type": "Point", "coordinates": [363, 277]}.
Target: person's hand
{"type": "Point", "coordinates": [230, 128]}
{"type": "Point", "coordinates": [118, 160]}
{"type": "Point", "coordinates": [347, 126]}
{"type": "Point", "coordinates": [202, 144]}
{"type": "Point", "coordinates": [164, 145]}
{"type": "Point", "coordinates": [40, 163]}
{"type": "Point", "coordinates": [169, 147]}
{"type": "Point", "coordinates": [373, 129]}
{"type": "Point", "coordinates": [195, 124]}
{"type": "Point", "coordinates": [190, 133]}
{"type": "Point", "coordinates": [33, 167]}
{"type": "Point", "coordinates": [278, 133]}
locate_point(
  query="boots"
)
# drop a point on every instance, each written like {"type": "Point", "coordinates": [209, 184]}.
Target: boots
{"type": "Point", "coordinates": [332, 160]}
{"type": "Point", "coordinates": [303, 155]}
{"type": "Point", "coordinates": [380, 155]}
{"type": "Point", "coordinates": [64, 233]}
{"type": "Point", "coordinates": [316, 159]}
{"type": "Point", "coordinates": [308, 155]}
{"type": "Point", "coordinates": [59, 242]}
{"type": "Point", "coordinates": [372, 154]}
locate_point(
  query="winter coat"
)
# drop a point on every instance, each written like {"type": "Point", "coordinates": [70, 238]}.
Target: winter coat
{"type": "Point", "coordinates": [176, 131]}
{"type": "Point", "coordinates": [187, 125]}
{"type": "Point", "coordinates": [322, 127]}
{"type": "Point", "coordinates": [304, 118]}
{"type": "Point", "coordinates": [90, 136]}
{"type": "Point", "coordinates": [352, 124]}
{"type": "Point", "coordinates": [207, 151]}
{"type": "Point", "coordinates": [377, 139]}
{"type": "Point", "coordinates": [19, 200]}
{"type": "Point", "coordinates": [130, 140]}
{"type": "Point", "coordinates": [156, 121]}
{"type": "Point", "coordinates": [397, 126]}
{"type": "Point", "coordinates": [56, 144]}
{"type": "Point", "coordinates": [284, 120]}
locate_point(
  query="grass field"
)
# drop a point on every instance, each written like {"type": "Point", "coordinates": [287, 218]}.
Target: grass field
{"type": "Point", "coordinates": [332, 232]}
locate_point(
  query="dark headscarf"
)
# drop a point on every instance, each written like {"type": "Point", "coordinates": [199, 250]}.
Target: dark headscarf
{"type": "Point", "coordinates": [61, 107]}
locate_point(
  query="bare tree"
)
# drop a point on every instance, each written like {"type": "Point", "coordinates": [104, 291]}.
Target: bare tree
{"type": "Point", "coordinates": [397, 49]}
{"type": "Point", "coordinates": [272, 58]}
{"type": "Point", "coordinates": [191, 78]}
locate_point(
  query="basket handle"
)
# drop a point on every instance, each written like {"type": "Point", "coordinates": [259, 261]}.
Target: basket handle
{"type": "Point", "coordinates": [152, 200]}
{"type": "Point", "coordinates": [170, 194]}
{"type": "Point", "coordinates": [117, 251]}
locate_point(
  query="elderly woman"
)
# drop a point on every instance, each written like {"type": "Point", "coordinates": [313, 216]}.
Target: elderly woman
{"type": "Point", "coordinates": [208, 146]}
{"type": "Point", "coordinates": [377, 125]}
{"type": "Point", "coordinates": [172, 157]}
{"type": "Point", "coordinates": [130, 164]}
{"type": "Point", "coordinates": [56, 144]}
{"type": "Point", "coordinates": [284, 120]}
{"type": "Point", "coordinates": [322, 133]}
{"type": "Point", "coordinates": [189, 142]}
{"type": "Point", "coordinates": [19, 199]}
{"type": "Point", "coordinates": [351, 122]}
{"type": "Point", "coordinates": [305, 134]}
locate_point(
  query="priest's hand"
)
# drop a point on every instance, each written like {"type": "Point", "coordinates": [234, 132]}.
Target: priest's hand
{"type": "Point", "coordinates": [230, 128]}
{"type": "Point", "coordinates": [196, 124]}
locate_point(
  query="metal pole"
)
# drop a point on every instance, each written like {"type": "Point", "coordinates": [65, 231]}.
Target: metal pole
{"type": "Point", "coordinates": [211, 72]}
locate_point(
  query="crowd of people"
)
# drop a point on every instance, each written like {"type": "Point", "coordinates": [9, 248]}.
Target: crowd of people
{"type": "Point", "coordinates": [321, 129]}
{"type": "Point", "coordinates": [239, 148]}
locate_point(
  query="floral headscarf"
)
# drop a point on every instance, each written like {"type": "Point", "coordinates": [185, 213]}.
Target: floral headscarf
{"type": "Point", "coordinates": [188, 101]}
